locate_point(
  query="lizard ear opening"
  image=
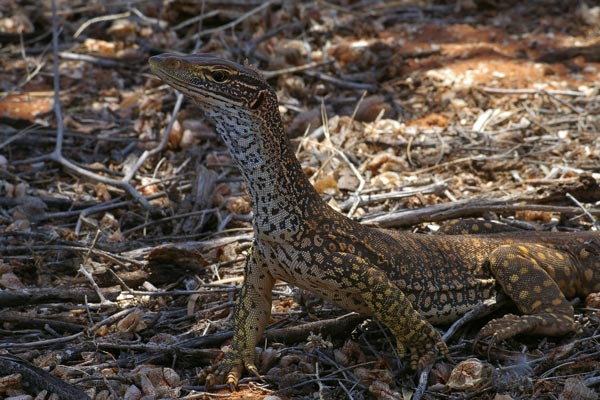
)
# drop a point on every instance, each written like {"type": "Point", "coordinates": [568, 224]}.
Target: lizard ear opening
{"type": "Point", "coordinates": [257, 101]}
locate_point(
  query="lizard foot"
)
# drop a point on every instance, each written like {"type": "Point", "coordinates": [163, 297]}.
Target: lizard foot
{"type": "Point", "coordinates": [230, 370]}
{"type": "Point", "coordinates": [550, 324]}
{"type": "Point", "coordinates": [423, 349]}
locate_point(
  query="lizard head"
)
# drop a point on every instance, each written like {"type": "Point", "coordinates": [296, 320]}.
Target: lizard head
{"type": "Point", "coordinates": [236, 98]}
{"type": "Point", "coordinates": [218, 85]}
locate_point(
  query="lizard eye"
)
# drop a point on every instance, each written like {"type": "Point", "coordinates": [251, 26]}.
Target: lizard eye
{"type": "Point", "coordinates": [220, 76]}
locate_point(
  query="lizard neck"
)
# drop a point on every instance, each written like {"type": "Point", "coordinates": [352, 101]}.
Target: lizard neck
{"type": "Point", "coordinates": [283, 199]}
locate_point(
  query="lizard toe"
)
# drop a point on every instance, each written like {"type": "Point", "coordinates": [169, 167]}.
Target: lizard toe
{"type": "Point", "coordinates": [225, 373]}
{"type": "Point", "coordinates": [551, 324]}
{"type": "Point", "coordinates": [503, 328]}
{"type": "Point", "coordinates": [229, 370]}
{"type": "Point", "coordinates": [414, 360]}
{"type": "Point", "coordinates": [442, 347]}
{"type": "Point", "coordinates": [251, 368]}
{"type": "Point", "coordinates": [401, 349]}
{"type": "Point", "coordinates": [423, 350]}
{"type": "Point", "coordinates": [421, 357]}
{"type": "Point", "coordinates": [510, 325]}
{"type": "Point", "coordinates": [425, 360]}
{"type": "Point", "coordinates": [496, 330]}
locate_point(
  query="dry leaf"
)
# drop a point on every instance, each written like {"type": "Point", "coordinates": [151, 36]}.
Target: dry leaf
{"type": "Point", "coordinates": [430, 120]}
{"type": "Point", "coordinates": [382, 391]}
{"type": "Point", "coordinates": [100, 47]}
{"type": "Point", "coordinates": [9, 280]}
{"type": "Point", "coordinates": [102, 192]}
{"type": "Point", "coordinates": [326, 184]}
{"type": "Point", "coordinates": [20, 224]}
{"type": "Point", "coordinates": [175, 135]}
{"type": "Point", "coordinates": [238, 205]}
{"type": "Point", "coordinates": [370, 375]}
{"type": "Point", "coordinates": [383, 162]}
{"type": "Point", "coordinates": [502, 397]}
{"type": "Point", "coordinates": [371, 108]}
{"type": "Point", "coordinates": [16, 24]}
{"type": "Point", "coordinates": [10, 382]}
{"type": "Point", "coordinates": [26, 105]}
{"type": "Point", "coordinates": [469, 374]}
{"type": "Point", "coordinates": [133, 322]}
{"type": "Point", "coordinates": [132, 393]}
{"type": "Point", "coordinates": [347, 180]}
{"type": "Point", "coordinates": [386, 180]}
{"type": "Point", "coordinates": [102, 331]}
{"type": "Point", "coordinates": [122, 28]}
{"type": "Point", "coordinates": [310, 119]}
{"type": "Point", "coordinates": [534, 216]}
{"type": "Point", "coordinates": [575, 389]}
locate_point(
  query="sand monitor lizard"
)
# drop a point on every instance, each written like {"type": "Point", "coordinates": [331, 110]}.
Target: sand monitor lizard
{"type": "Point", "coordinates": [407, 281]}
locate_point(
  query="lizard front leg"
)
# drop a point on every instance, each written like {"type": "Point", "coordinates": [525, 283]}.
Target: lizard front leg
{"type": "Point", "coordinates": [252, 312]}
{"type": "Point", "coordinates": [388, 304]}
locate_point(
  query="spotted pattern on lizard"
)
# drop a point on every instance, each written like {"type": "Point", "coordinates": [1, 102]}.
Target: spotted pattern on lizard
{"type": "Point", "coordinates": [407, 281]}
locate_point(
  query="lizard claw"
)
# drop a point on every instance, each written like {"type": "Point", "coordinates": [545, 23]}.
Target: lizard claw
{"type": "Point", "coordinates": [251, 368]}
{"type": "Point", "coordinates": [229, 371]}
{"type": "Point", "coordinates": [491, 333]}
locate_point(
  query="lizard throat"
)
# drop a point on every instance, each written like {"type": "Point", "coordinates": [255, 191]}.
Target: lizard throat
{"type": "Point", "coordinates": [283, 199]}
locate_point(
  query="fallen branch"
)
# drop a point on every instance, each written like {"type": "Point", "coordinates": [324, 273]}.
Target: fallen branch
{"type": "Point", "coordinates": [37, 379]}
{"type": "Point", "coordinates": [15, 298]}
{"type": "Point", "coordinates": [461, 209]}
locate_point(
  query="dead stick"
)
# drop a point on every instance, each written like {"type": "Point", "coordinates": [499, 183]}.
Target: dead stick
{"type": "Point", "coordinates": [30, 296]}
{"type": "Point", "coordinates": [461, 209]}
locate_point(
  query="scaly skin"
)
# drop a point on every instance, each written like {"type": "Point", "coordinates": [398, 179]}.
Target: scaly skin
{"type": "Point", "coordinates": [407, 281]}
